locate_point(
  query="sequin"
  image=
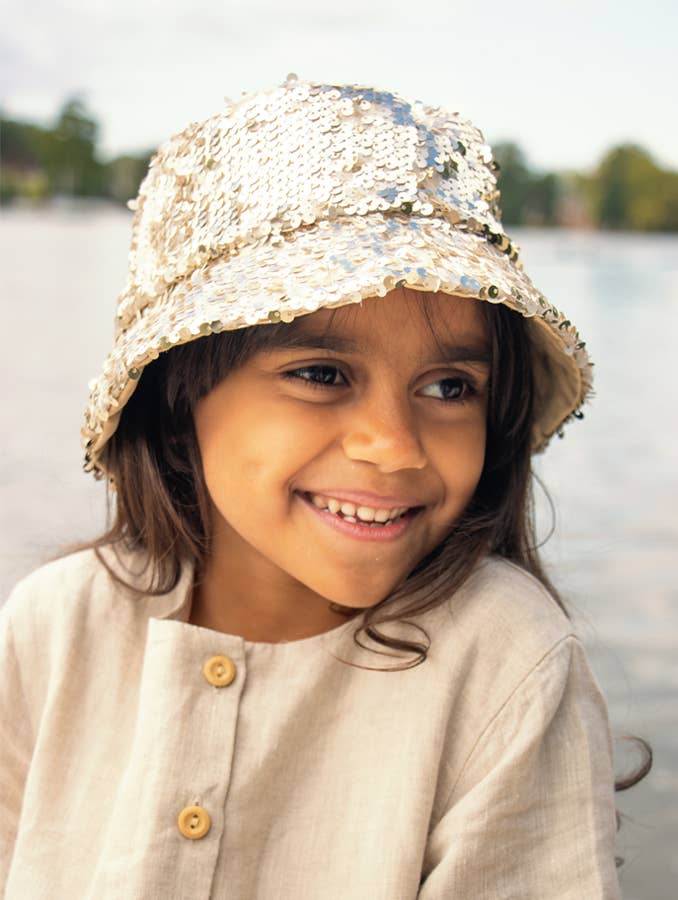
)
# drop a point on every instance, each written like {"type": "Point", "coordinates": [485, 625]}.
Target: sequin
{"type": "Point", "coordinates": [313, 196]}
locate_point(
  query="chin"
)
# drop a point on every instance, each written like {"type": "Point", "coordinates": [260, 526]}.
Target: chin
{"type": "Point", "coordinates": [358, 597]}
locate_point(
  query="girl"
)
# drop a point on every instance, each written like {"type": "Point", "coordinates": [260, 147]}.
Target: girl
{"type": "Point", "coordinates": [315, 655]}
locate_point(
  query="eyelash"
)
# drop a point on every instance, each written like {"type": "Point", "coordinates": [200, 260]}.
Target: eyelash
{"type": "Point", "coordinates": [469, 389]}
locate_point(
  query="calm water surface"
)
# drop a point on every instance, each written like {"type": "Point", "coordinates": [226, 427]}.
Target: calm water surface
{"type": "Point", "coordinates": [613, 478]}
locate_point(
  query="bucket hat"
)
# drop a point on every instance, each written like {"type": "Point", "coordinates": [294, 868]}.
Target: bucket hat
{"type": "Point", "coordinates": [311, 196]}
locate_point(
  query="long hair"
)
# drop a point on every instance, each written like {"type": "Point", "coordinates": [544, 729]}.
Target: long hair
{"type": "Point", "coordinates": [162, 506]}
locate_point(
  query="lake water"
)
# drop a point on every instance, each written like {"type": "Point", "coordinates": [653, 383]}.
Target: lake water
{"type": "Point", "coordinates": [613, 478]}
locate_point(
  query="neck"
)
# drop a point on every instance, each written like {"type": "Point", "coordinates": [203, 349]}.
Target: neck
{"type": "Point", "coordinates": [243, 594]}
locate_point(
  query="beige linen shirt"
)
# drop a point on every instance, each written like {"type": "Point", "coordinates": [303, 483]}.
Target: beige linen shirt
{"type": "Point", "coordinates": [483, 773]}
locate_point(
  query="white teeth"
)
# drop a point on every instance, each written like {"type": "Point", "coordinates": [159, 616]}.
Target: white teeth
{"type": "Point", "coordinates": [353, 513]}
{"type": "Point", "coordinates": [365, 513]}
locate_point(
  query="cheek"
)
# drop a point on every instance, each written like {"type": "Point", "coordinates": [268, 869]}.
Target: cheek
{"type": "Point", "coordinates": [254, 447]}
{"type": "Point", "coordinates": [231, 464]}
{"type": "Point", "coordinates": [477, 456]}
{"type": "Point", "coordinates": [459, 461]}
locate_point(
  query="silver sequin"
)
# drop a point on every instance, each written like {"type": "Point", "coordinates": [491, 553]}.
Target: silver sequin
{"type": "Point", "coordinates": [309, 196]}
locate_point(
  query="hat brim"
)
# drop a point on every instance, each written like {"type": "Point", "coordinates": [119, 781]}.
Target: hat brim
{"type": "Point", "coordinates": [332, 263]}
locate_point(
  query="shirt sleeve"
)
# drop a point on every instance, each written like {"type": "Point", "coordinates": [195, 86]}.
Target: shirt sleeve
{"type": "Point", "coordinates": [16, 741]}
{"type": "Point", "coordinates": [532, 815]}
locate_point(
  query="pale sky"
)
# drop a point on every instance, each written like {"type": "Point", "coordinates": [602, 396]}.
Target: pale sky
{"type": "Point", "coordinates": [566, 79]}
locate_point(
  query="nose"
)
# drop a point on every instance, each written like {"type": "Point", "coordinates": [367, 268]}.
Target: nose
{"type": "Point", "coordinates": [382, 430]}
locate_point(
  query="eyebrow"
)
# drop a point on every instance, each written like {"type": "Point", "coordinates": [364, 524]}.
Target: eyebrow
{"type": "Point", "coordinates": [444, 351]}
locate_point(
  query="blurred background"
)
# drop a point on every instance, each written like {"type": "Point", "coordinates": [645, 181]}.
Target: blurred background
{"type": "Point", "coordinates": [578, 101]}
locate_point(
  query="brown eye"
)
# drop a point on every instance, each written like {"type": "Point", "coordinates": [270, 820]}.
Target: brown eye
{"type": "Point", "coordinates": [317, 376]}
{"type": "Point", "coordinates": [450, 389]}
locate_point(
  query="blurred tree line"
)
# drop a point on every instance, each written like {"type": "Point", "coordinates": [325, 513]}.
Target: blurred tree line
{"type": "Point", "coordinates": [627, 190]}
{"type": "Point", "coordinates": [37, 163]}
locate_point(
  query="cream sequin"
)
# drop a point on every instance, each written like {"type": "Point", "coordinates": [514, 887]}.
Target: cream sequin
{"type": "Point", "coordinates": [313, 196]}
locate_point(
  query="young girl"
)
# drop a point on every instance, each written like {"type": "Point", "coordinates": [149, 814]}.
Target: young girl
{"type": "Point", "coordinates": [315, 655]}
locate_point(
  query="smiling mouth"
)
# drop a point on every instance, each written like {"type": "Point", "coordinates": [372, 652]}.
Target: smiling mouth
{"type": "Point", "coordinates": [368, 517]}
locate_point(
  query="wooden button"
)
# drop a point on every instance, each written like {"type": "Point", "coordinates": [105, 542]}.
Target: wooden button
{"type": "Point", "coordinates": [194, 822]}
{"type": "Point", "coordinates": [219, 670]}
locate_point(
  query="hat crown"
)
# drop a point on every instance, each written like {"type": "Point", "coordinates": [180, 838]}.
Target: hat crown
{"type": "Point", "coordinates": [279, 160]}
{"type": "Point", "coordinates": [313, 196]}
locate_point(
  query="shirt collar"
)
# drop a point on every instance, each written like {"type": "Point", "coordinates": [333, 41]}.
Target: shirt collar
{"type": "Point", "coordinates": [133, 568]}
{"type": "Point", "coordinates": [176, 604]}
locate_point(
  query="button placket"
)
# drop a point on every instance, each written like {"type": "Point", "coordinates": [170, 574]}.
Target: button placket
{"type": "Point", "coordinates": [194, 821]}
{"type": "Point", "coordinates": [181, 756]}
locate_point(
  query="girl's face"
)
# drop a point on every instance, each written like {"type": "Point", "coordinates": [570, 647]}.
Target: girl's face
{"type": "Point", "coordinates": [381, 406]}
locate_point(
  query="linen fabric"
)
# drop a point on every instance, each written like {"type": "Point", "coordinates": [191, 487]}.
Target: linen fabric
{"type": "Point", "coordinates": [485, 772]}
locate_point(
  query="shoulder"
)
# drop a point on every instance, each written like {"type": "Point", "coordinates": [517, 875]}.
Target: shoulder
{"type": "Point", "coordinates": [508, 654]}
{"type": "Point", "coordinates": [49, 603]}
{"type": "Point", "coordinates": [54, 583]}
{"type": "Point", "coordinates": [57, 626]}
{"type": "Point", "coordinates": [527, 668]}
{"type": "Point", "coordinates": [499, 629]}
{"type": "Point", "coordinates": [502, 602]}
{"type": "Point", "coordinates": [74, 595]}
{"type": "Point", "coordinates": [60, 574]}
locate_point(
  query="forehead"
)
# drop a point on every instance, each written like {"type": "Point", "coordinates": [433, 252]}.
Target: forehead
{"type": "Point", "coordinates": [411, 320]}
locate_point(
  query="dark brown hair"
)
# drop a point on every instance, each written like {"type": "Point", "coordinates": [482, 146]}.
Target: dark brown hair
{"type": "Point", "coordinates": [162, 506]}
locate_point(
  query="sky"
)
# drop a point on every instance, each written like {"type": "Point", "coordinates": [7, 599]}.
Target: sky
{"type": "Point", "coordinates": [565, 79]}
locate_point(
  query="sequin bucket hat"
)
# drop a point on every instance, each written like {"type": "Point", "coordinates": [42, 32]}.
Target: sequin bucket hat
{"type": "Point", "coordinates": [314, 196]}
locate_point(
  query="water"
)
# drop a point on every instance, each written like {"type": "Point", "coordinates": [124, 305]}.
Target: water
{"type": "Point", "coordinates": [614, 478]}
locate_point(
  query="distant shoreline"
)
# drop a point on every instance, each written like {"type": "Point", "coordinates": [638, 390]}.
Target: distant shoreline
{"type": "Point", "coordinates": [626, 190]}
{"type": "Point", "coordinates": [67, 204]}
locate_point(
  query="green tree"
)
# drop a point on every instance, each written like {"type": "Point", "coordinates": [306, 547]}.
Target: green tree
{"type": "Point", "coordinates": [513, 182]}
{"type": "Point", "coordinates": [124, 175]}
{"type": "Point", "coordinates": [70, 153]}
{"type": "Point", "coordinates": [22, 173]}
{"type": "Point", "coordinates": [543, 193]}
{"type": "Point", "coordinates": [527, 198]}
{"type": "Point", "coordinates": [630, 190]}
{"type": "Point", "coordinates": [670, 193]}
